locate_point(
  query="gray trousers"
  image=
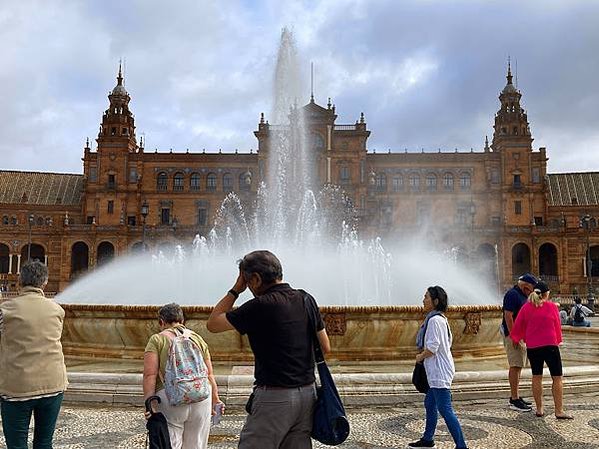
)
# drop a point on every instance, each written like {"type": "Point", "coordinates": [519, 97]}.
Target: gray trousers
{"type": "Point", "coordinates": [280, 419]}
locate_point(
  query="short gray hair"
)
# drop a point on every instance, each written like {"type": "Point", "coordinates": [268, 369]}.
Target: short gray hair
{"type": "Point", "coordinates": [34, 274]}
{"type": "Point", "coordinates": [171, 313]}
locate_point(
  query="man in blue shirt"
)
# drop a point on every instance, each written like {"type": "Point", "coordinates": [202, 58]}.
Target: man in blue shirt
{"type": "Point", "coordinates": [513, 301]}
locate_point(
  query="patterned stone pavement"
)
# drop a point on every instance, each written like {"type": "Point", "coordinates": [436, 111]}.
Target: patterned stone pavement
{"type": "Point", "coordinates": [488, 424]}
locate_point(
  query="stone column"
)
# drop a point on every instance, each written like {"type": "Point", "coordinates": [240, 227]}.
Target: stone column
{"type": "Point", "coordinates": [18, 264]}
{"type": "Point", "coordinates": [328, 169]}
{"type": "Point", "coordinates": [46, 259]}
{"type": "Point", "coordinates": [10, 264]}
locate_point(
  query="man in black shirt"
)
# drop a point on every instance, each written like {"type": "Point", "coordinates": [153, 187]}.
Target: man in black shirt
{"type": "Point", "coordinates": [278, 325]}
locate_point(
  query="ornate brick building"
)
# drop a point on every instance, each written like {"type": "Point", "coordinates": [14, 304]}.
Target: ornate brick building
{"type": "Point", "coordinates": [496, 207]}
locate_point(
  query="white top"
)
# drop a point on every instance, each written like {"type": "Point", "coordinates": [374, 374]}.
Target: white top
{"type": "Point", "coordinates": [439, 368]}
{"type": "Point", "coordinates": [585, 311]}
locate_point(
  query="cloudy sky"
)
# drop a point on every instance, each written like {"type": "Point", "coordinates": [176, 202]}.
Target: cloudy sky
{"type": "Point", "coordinates": [426, 73]}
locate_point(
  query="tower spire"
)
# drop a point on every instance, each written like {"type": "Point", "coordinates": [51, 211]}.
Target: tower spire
{"type": "Point", "coordinates": [311, 82]}
{"type": "Point", "coordinates": [509, 71]}
{"type": "Point", "coordinates": [119, 78]}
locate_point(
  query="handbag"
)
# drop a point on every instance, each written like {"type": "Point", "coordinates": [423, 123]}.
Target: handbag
{"type": "Point", "coordinates": [329, 422]}
{"type": "Point", "coordinates": [419, 379]}
{"type": "Point", "coordinates": [158, 436]}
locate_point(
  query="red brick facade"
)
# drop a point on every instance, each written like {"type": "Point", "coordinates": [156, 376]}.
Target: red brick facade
{"type": "Point", "coordinates": [495, 200]}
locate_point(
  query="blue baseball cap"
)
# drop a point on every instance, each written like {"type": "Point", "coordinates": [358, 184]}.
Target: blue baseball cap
{"type": "Point", "coordinates": [529, 279]}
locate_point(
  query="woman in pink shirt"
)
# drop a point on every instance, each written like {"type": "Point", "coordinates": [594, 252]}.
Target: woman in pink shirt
{"type": "Point", "coordinates": [538, 324]}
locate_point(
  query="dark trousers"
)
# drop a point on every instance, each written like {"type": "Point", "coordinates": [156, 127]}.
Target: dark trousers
{"type": "Point", "coordinates": [16, 416]}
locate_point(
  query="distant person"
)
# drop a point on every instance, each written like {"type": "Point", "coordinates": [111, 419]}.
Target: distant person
{"type": "Point", "coordinates": [579, 314]}
{"type": "Point", "coordinates": [513, 301]}
{"type": "Point", "coordinates": [563, 317]}
{"type": "Point", "coordinates": [538, 324]}
{"type": "Point", "coordinates": [33, 376]}
{"type": "Point", "coordinates": [188, 423]}
{"type": "Point", "coordinates": [435, 347]}
{"type": "Point", "coordinates": [277, 324]}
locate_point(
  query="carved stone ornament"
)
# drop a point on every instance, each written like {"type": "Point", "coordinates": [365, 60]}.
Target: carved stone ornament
{"type": "Point", "coordinates": [473, 322]}
{"type": "Point", "coordinates": [335, 323]}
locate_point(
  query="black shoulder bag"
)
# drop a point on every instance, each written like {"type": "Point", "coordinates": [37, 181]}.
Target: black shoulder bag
{"type": "Point", "coordinates": [329, 423]}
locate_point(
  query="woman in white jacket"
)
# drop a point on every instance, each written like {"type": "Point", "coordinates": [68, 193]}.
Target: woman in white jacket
{"type": "Point", "coordinates": [434, 344]}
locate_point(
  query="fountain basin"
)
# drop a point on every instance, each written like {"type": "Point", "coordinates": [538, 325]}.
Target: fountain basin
{"type": "Point", "coordinates": [358, 333]}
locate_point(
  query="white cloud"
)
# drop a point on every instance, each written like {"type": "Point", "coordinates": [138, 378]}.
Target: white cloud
{"type": "Point", "coordinates": [426, 74]}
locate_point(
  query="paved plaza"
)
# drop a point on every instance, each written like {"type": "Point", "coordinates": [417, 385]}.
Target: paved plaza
{"type": "Point", "coordinates": [488, 424]}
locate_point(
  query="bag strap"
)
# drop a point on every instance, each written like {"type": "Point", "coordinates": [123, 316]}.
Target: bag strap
{"type": "Point", "coordinates": [426, 325]}
{"type": "Point", "coordinates": [318, 356]}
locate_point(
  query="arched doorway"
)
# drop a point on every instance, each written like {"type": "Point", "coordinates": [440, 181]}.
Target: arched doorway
{"type": "Point", "coordinates": [37, 253]}
{"type": "Point", "coordinates": [520, 259]}
{"type": "Point", "coordinates": [594, 260]}
{"type": "Point", "coordinates": [548, 263]}
{"type": "Point", "coordinates": [4, 258]}
{"type": "Point", "coordinates": [105, 253]}
{"type": "Point", "coordinates": [79, 259]}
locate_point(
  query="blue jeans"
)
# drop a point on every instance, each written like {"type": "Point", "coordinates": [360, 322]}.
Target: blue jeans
{"type": "Point", "coordinates": [16, 417]}
{"type": "Point", "coordinates": [584, 323]}
{"type": "Point", "coordinates": [438, 400]}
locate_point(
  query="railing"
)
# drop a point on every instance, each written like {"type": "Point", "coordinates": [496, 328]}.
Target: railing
{"type": "Point", "coordinates": [550, 279]}
{"type": "Point", "coordinates": [345, 127]}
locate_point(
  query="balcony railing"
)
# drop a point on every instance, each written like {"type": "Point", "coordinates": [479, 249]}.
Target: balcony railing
{"type": "Point", "coordinates": [345, 127]}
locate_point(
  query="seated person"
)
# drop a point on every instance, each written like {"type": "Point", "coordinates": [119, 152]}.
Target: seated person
{"type": "Point", "coordinates": [579, 313]}
{"type": "Point", "coordinates": [563, 317]}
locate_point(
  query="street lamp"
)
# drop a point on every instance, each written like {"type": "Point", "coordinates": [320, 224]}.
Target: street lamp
{"type": "Point", "coordinates": [589, 223]}
{"type": "Point", "coordinates": [145, 209]}
{"type": "Point", "coordinates": [30, 221]}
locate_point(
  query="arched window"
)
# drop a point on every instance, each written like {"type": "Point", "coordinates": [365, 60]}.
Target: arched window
{"type": "Point", "coordinates": [431, 182]}
{"type": "Point", "coordinates": [162, 181]}
{"type": "Point", "coordinates": [227, 182]}
{"type": "Point", "coordinates": [397, 183]}
{"type": "Point", "coordinates": [211, 182]}
{"type": "Point", "coordinates": [39, 221]}
{"type": "Point", "coordinates": [448, 181]}
{"type": "Point", "coordinates": [381, 182]}
{"type": "Point", "coordinates": [178, 180]}
{"type": "Point", "coordinates": [465, 181]}
{"type": "Point", "coordinates": [245, 181]}
{"type": "Point", "coordinates": [344, 175]}
{"type": "Point", "coordinates": [194, 182]}
{"type": "Point", "coordinates": [5, 220]}
{"type": "Point", "coordinates": [414, 181]}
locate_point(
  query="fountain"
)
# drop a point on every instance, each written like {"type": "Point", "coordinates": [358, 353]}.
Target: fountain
{"type": "Point", "coordinates": [370, 291]}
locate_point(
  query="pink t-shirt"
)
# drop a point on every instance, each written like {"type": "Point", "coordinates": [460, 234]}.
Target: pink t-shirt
{"type": "Point", "coordinates": [538, 326]}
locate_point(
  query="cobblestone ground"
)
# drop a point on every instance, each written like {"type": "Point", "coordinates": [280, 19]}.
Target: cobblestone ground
{"type": "Point", "coordinates": [488, 424]}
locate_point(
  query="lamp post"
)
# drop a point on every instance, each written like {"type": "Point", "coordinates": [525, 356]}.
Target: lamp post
{"type": "Point", "coordinates": [145, 209]}
{"type": "Point", "coordinates": [30, 220]}
{"type": "Point", "coordinates": [589, 223]}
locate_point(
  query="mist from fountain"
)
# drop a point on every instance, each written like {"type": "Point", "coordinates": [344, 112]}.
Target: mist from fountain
{"type": "Point", "coordinates": [312, 231]}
